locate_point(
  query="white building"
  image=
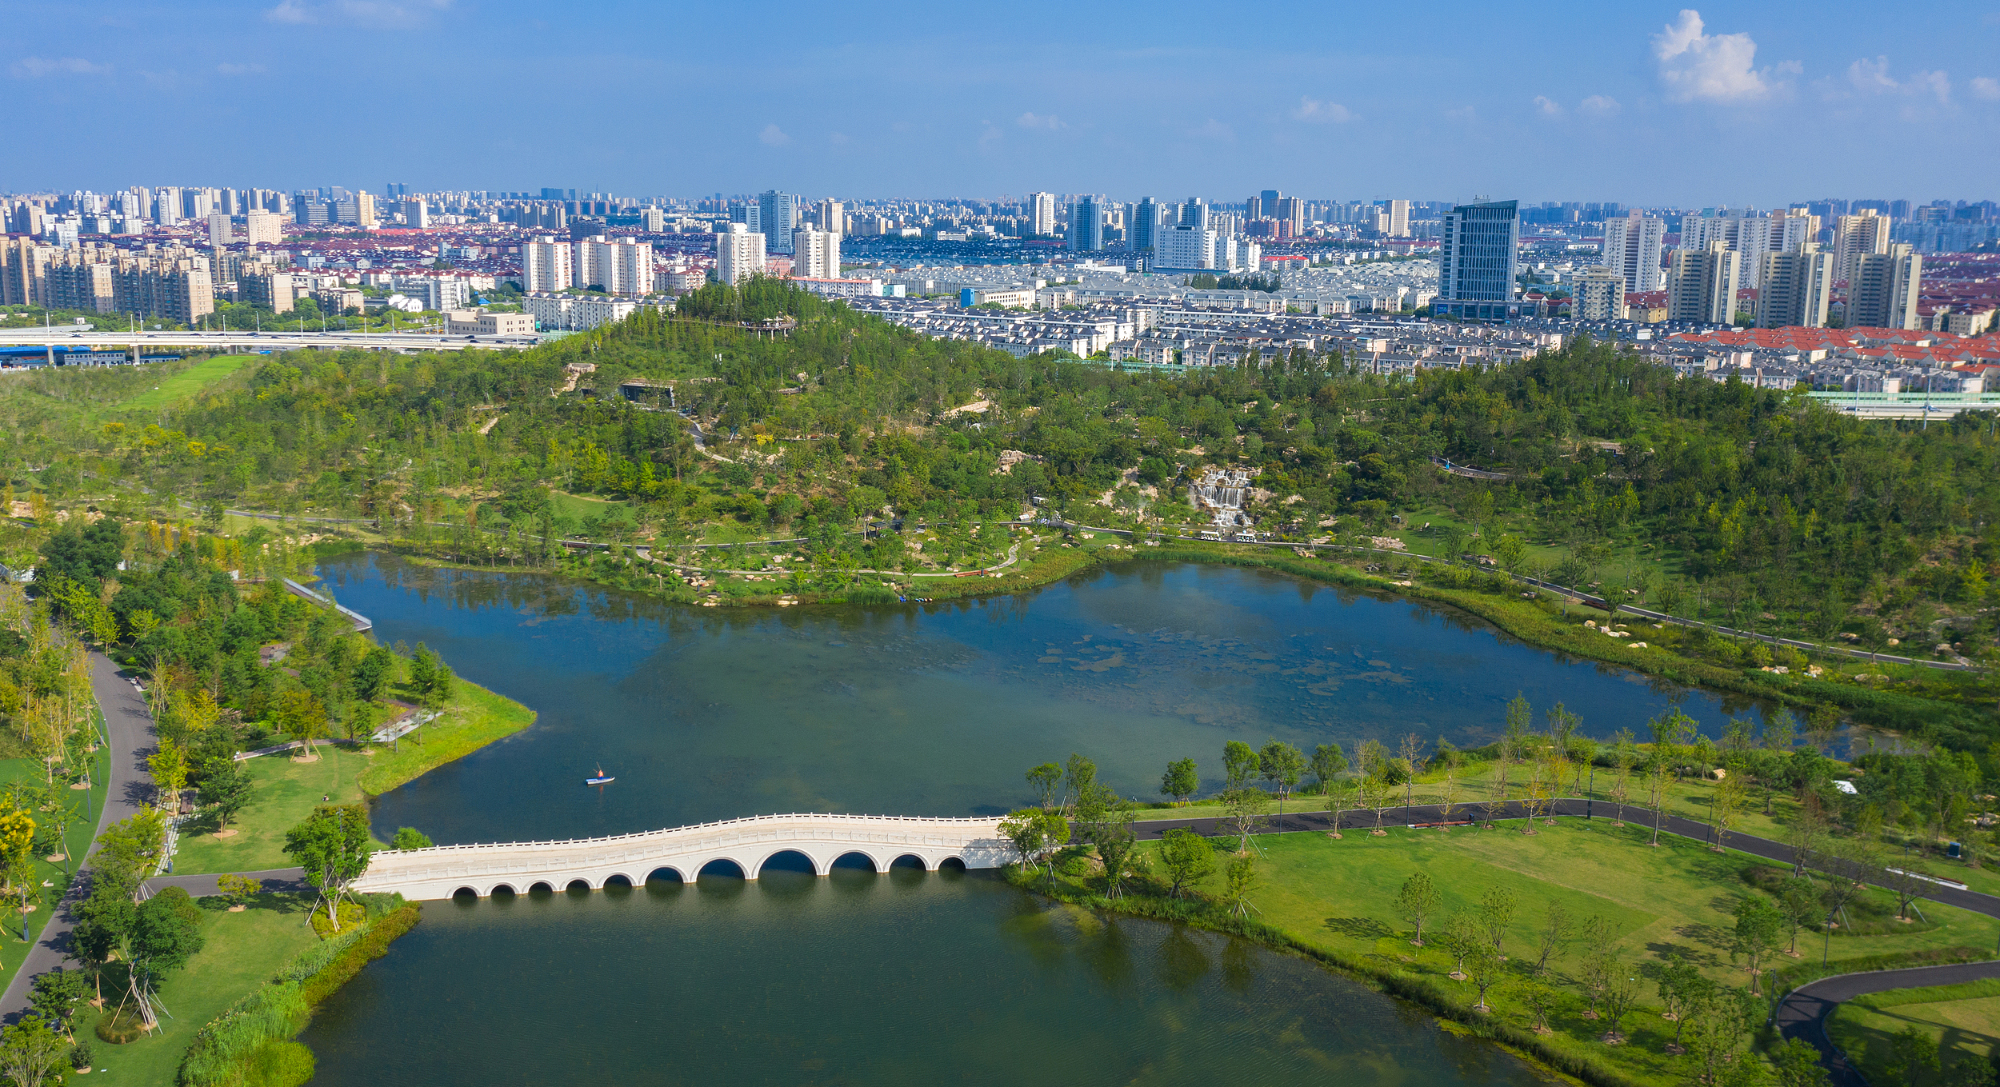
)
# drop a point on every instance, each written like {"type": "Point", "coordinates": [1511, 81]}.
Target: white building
{"type": "Point", "coordinates": [1185, 247]}
{"type": "Point", "coordinates": [438, 293]}
{"type": "Point", "coordinates": [1599, 295]}
{"type": "Point", "coordinates": [219, 233]}
{"type": "Point", "coordinates": [1399, 219]}
{"type": "Point", "coordinates": [1797, 287]}
{"type": "Point", "coordinates": [1855, 237]}
{"type": "Point", "coordinates": [739, 255]}
{"type": "Point", "coordinates": [1702, 287]}
{"type": "Point", "coordinates": [546, 266]}
{"type": "Point", "coordinates": [1632, 248]}
{"type": "Point", "coordinates": [1749, 236]}
{"type": "Point", "coordinates": [615, 267]}
{"type": "Point", "coordinates": [815, 254]}
{"type": "Point", "coordinates": [263, 227]}
{"type": "Point", "coordinates": [576, 313]}
{"type": "Point", "coordinates": [1883, 292]}
{"type": "Point", "coordinates": [1041, 214]}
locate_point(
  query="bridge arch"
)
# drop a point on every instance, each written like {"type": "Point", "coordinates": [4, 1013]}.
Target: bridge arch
{"type": "Point", "coordinates": [579, 883]}
{"type": "Point", "coordinates": [743, 871]}
{"type": "Point", "coordinates": [466, 891]}
{"type": "Point", "coordinates": [541, 885]}
{"type": "Point", "coordinates": [921, 862]}
{"type": "Point", "coordinates": [616, 878]}
{"type": "Point", "coordinates": [955, 864]}
{"type": "Point", "coordinates": [874, 864]}
{"type": "Point", "coordinates": [497, 888]}
{"type": "Point", "coordinates": [811, 865]}
{"type": "Point", "coordinates": [669, 870]}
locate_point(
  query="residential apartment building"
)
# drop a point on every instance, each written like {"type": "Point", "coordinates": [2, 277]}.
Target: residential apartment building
{"type": "Point", "coordinates": [1478, 261]}
{"type": "Point", "coordinates": [739, 255]}
{"type": "Point", "coordinates": [1185, 248]}
{"type": "Point", "coordinates": [1399, 219]}
{"type": "Point", "coordinates": [546, 266]}
{"type": "Point", "coordinates": [1633, 249]}
{"type": "Point", "coordinates": [1702, 284]}
{"type": "Point", "coordinates": [777, 217]}
{"type": "Point", "coordinates": [219, 232]}
{"type": "Point", "coordinates": [815, 254]}
{"type": "Point", "coordinates": [1797, 286]}
{"type": "Point", "coordinates": [1086, 224]}
{"type": "Point", "coordinates": [1599, 295]}
{"type": "Point", "coordinates": [1749, 236]}
{"type": "Point", "coordinates": [267, 285]}
{"type": "Point", "coordinates": [1142, 230]}
{"type": "Point", "coordinates": [263, 227]}
{"type": "Point", "coordinates": [21, 278]}
{"type": "Point", "coordinates": [1042, 214]}
{"type": "Point", "coordinates": [173, 284]}
{"type": "Point", "coordinates": [81, 280]}
{"type": "Point", "coordinates": [1855, 237]}
{"type": "Point", "coordinates": [1883, 290]}
{"type": "Point", "coordinates": [614, 267]}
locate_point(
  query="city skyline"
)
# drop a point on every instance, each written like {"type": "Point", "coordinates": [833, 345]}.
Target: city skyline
{"type": "Point", "coordinates": [1636, 105]}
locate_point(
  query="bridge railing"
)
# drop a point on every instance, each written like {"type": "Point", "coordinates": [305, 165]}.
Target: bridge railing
{"type": "Point", "coordinates": [719, 824]}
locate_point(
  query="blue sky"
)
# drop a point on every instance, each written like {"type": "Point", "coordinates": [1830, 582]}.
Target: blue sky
{"type": "Point", "coordinates": [1746, 103]}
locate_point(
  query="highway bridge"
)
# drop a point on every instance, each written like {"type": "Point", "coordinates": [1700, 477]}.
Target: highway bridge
{"type": "Point", "coordinates": [55, 342]}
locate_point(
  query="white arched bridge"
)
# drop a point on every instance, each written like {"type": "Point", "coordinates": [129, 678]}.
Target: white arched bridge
{"type": "Point", "coordinates": [823, 839]}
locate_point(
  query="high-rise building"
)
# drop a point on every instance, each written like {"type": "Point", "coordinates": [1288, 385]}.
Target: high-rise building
{"type": "Point", "coordinates": [219, 233]}
{"type": "Point", "coordinates": [80, 279]}
{"type": "Point", "coordinates": [1291, 215]}
{"type": "Point", "coordinates": [1632, 249]}
{"type": "Point", "coordinates": [1855, 236]}
{"type": "Point", "coordinates": [1797, 286]}
{"type": "Point", "coordinates": [1599, 295]}
{"type": "Point", "coordinates": [1883, 290]}
{"type": "Point", "coordinates": [739, 254]}
{"type": "Point", "coordinates": [833, 217]}
{"type": "Point", "coordinates": [1702, 284]}
{"type": "Point", "coordinates": [1086, 224]}
{"type": "Point", "coordinates": [1185, 248]}
{"type": "Point", "coordinates": [1194, 214]}
{"type": "Point", "coordinates": [653, 220]}
{"type": "Point", "coordinates": [546, 266]}
{"type": "Point", "coordinates": [263, 227]}
{"type": "Point", "coordinates": [22, 279]}
{"type": "Point", "coordinates": [1042, 214]}
{"type": "Point", "coordinates": [614, 267]}
{"type": "Point", "coordinates": [1478, 260]}
{"type": "Point", "coordinates": [777, 217]}
{"type": "Point", "coordinates": [1749, 236]}
{"type": "Point", "coordinates": [1142, 231]}
{"type": "Point", "coordinates": [166, 206]}
{"type": "Point", "coordinates": [1399, 219]}
{"type": "Point", "coordinates": [815, 254]}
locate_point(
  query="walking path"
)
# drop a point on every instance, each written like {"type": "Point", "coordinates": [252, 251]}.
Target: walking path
{"type": "Point", "coordinates": [1807, 1008]}
{"type": "Point", "coordinates": [129, 724]}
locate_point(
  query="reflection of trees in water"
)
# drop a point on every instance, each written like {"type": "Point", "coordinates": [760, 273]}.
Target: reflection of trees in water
{"type": "Point", "coordinates": [1180, 962]}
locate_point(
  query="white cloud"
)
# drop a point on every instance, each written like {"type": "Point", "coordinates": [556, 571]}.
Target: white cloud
{"type": "Point", "coordinates": [240, 69]}
{"type": "Point", "coordinates": [1599, 105]}
{"type": "Point", "coordinates": [372, 13]}
{"type": "Point", "coordinates": [1548, 107]}
{"type": "Point", "coordinates": [38, 67]}
{"type": "Point", "coordinates": [1707, 67]}
{"type": "Point", "coordinates": [1036, 120]}
{"type": "Point", "coordinates": [1870, 77]}
{"type": "Point", "coordinates": [773, 136]}
{"type": "Point", "coordinates": [1985, 87]}
{"type": "Point", "coordinates": [1312, 109]}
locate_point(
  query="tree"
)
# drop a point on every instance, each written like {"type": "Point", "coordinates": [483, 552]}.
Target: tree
{"type": "Point", "coordinates": [1540, 1000]}
{"type": "Point", "coordinates": [1799, 903]}
{"type": "Point", "coordinates": [431, 677]}
{"type": "Point", "coordinates": [1759, 925]}
{"type": "Point", "coordinates": [1496, 913]}
{"type": "Point", "coordinates": [1599, 964]}
{"type": "Point", "coordinates": [168, 932]}
{"type": "Point", "coordinates": [1079, 782]}
{"type": "Point", "coordinates": [1282, 765]}
{"type": "Point", "coordinates": [1915, 1052]}
{"type": "Point", "coordinates": [1238, 880]}
{"type": "Point", "coordinates": [1186, 856]}
{"type": "Point", "coordinates": [1619, 997]}
{"type": "Point", "coordinates": [1481, 966]}
{"type": "Point", "coordinates": [1047, 780]}
{"type": "Point", "coordinates": [373, 674]}
{"type": "Point", "coordinates": [225, 789]}
{"type": "Point", "coordinates": [1682, 990]}
{"type": "Point", "coordinates": [1338, 791]}
{"type": "Point", "coordinates": [1246, 805]}
{"type": "Point", "coordinates": [1116, 844]}
{"type": "Point", "coordinates": [1416, 902]}
{"type": "Point", "coordinates": [1239, 763]}
{"type": "Point", "coordinates": [1797, 1064]}
{"type": "Point", "coordinates": [1557, 927]}
{"type": "Point", "coordinates": [1412, 747]}
{"type": "Point", "coordinates": [56, 996]}
{"type": "Point", "coordinates": [1908, 881]}
{"type": "Point", "coordinates": [1181, 781]}
{"type": "Point", "coordinates": [332, 846]}
{"type": "Point", "coordinates": [127, 852]}
{"type": "Point", "coordinates": [1328, 763]}
{"type": "Point", "coordinates": [1460, 935]}
{"type": "Point", "coordinates": [1719, 1023]}
{"type": "Point", "coordinates": [236, 889]}
{"type": "Point", "coordinates": [1624, 753]}
{"type": "Point", "coordinates": [31, 1054]}
{"type": "Point", "coordinates": [409, 838]}
{"type": "Point", "coordinates": [1726, 803]}
{"type": "Point", "coordinates": [300, 715]}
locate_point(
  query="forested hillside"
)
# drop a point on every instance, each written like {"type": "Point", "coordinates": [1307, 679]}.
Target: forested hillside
{"type": "Point", "coordinates": [1757, 507]}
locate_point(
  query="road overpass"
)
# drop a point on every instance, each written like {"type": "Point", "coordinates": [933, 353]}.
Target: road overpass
{"type": "Point", "coordinates": [56, 341]}
{"type": "Point", "coordinates": [822, 838]}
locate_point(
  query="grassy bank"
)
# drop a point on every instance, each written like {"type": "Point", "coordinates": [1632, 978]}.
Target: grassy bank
{"type": "Point", "coordinates": [1963, 1019]}
{"type": "Point", "coordinates": [284, 792]}
{"type": "Point", "coordinates": [472, 719]}
{"type": "Point", "coordinates": [1335, 901]}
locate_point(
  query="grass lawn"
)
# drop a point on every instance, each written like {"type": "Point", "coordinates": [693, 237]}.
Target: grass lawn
{"type": "Point", "coordinates": [243, 950]}
{"type": "Point", "coordinates": [286, 791]}
{"type": "Point", "coordinates": [1338, 896]}
{"type": "Point", "coordinates": [78, 835]}
{"type": "Point", "coordinates": [188, 382]}
{"type": "Point", "coordinates": [474, 718]}
{"type": "Point", "coordinates": [1965, 1019]}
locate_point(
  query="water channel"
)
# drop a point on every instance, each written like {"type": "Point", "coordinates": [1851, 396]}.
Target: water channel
{"type": "Point", "coordinates": [935, 709]}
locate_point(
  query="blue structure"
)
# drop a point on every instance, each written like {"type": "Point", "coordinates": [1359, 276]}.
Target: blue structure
{"type": "Point", "coordinates": [1478, 262]}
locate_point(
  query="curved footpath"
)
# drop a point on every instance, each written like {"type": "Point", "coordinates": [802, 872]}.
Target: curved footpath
{"type": "Point", "coordinates": [1804, 1011]}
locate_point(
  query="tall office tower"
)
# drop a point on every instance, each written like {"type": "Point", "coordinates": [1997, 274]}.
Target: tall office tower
{"type": "Point", "coordinates": [166, 206]}
{"type": "Point", "coordinates": [777, 217]}
{"type": "Point", "coordinates": [263, 227]}
{"type": "Point", "coordinates": [1883, 291]}
{"type": "Point", "coordinates": [1185, 248]}
{"type": "Point", "coordinates": [1086, 224]}
{"type": "Point", "coordinates": [1399, 218]}
{"type": "Point", "coordinates": [1797, 286]}
{"type": "Point", "coordinates": [739, 255]}
{"type": "Point", "coordinates": [1599, 295]}
{"type": "Point", "coordinates": [1478, 258]}
{"type": "Point", "coordinates": [1702, 285]}
{"type": "Point", "coordinates": [1290, 212]}
{"type": "Point", "coordinates": [1632, 249]}
{"type": "Point", "coordinates": [815, 254]}
{"type": "Point", "coordinates": [1042, 214]}
{"type": "Point", "coordinates": [833, 216]}
{"type": "Point", "coordinates": [545, 266]}
{"type": "Point", "coordinates": [1142, 234]}
{"type": "Point", "coordinates": [1856, 236]}
{"type": "Point", "coordinates": [1194, 214]}
{"type": "Point", "coordinates": [219, 233]}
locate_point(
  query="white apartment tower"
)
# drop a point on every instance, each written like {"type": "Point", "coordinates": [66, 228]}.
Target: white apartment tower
{"type": "Point", "coordinates": [545, 266]}
{"type": "Point", "coordinates": [815, 254]}
{"type": "Point", "coordinates": [1883, 292]}
{"type": "Point", "coordinates": [263, 227]}
{"type": "Point", "coordinates": [1857, 236]}
{"type": "Point", "coordinates": [219, 233]}
{"type": "Point", "coordinates": [739, 255]}
{"type": "Point", "coordinates": [1703, 285]}
{"type": "Point", "coordinates": [619, 267]}
{"type": "Point", "coordinates": [1797, 287]}
{"type": "Point", "coordinates": [1399, 218]}
{"type": "Point", "coordinates": [1632, 248]}
{"type": "Point", "coordinates": [833, 217]}
{"type": "Point", "coordinates": [1041, 214]}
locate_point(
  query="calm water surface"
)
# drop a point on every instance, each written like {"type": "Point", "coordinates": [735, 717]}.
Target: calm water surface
{"type": "Point", "coordinates": [905, 978]}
